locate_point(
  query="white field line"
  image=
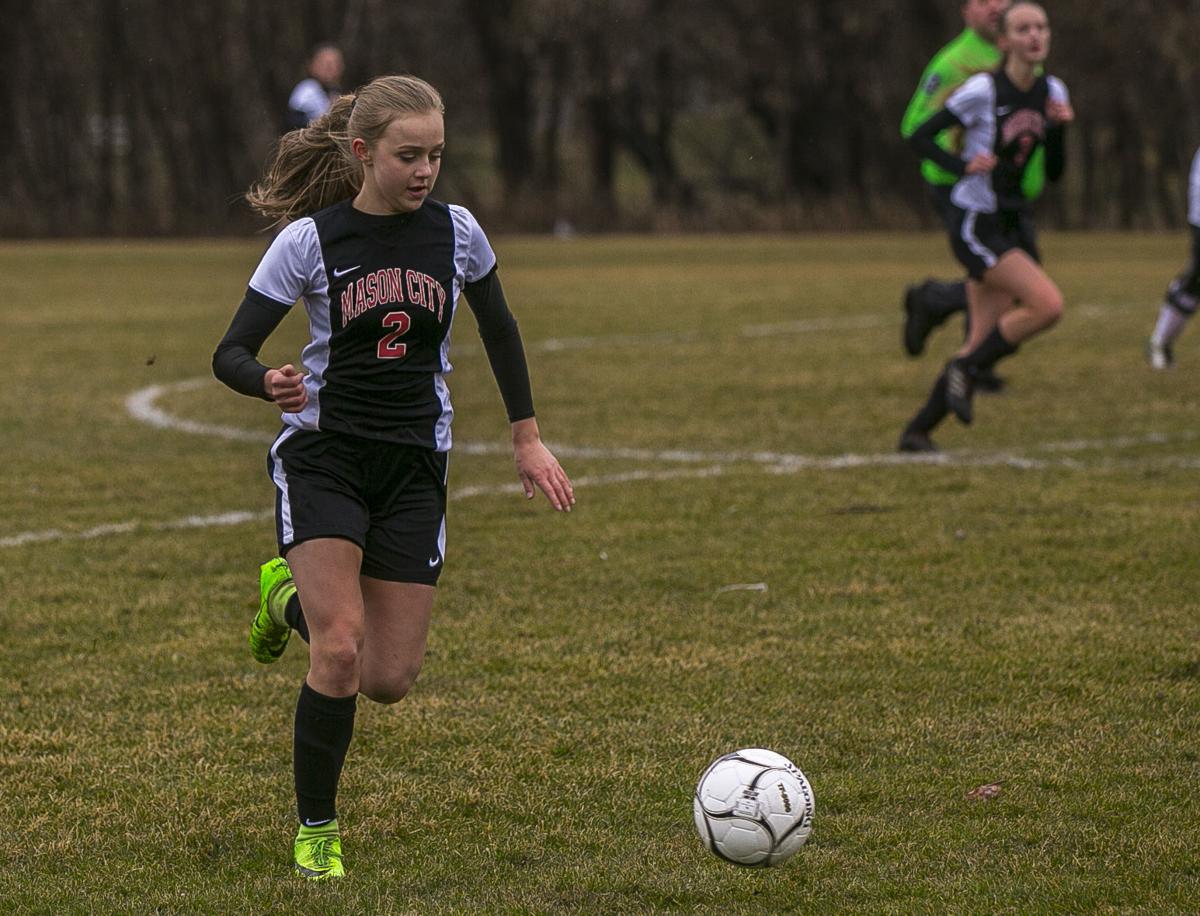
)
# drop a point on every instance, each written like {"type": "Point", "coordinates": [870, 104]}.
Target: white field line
{"type": "Point", "coordinates": [241, 517]}
{"type": "Point", "coordinates": [143, 406]}
{"type": "Point", "coordinates": [948, 459]}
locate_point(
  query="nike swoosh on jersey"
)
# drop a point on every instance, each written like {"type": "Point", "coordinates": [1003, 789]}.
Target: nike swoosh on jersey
{"type": "Point", "coordinates": [341, 273]}
{"type": "Point", "coordinates": [1000, 112]}
{"type": "Point", "coordinates": [434, 561]}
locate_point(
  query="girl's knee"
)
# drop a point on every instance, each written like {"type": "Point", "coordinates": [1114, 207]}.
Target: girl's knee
{"type": "Point", "coordinates": [391, 688]}
{"type": "Point", "coordinates": [1052, 308]}
{"type": "Point", "coordinates": [1048, 305]}
{"type": "Point", "coordinates": [340, 653]}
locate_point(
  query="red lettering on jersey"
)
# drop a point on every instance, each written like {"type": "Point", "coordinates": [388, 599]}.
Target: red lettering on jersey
{"type": "Point", "coordinates": [373, 299]}
{"type": "Point", "coordinates": [384, 287]}
{"type": "Point", "coordinates": [1024, 121]}
{"type": "Point", "coordinates": [416, 291]}
{"type": "Point", "coordinates": [396, 282]}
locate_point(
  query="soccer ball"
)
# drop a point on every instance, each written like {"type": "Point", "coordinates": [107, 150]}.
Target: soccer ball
{"type": "Point", "coordinates": [753, 807]}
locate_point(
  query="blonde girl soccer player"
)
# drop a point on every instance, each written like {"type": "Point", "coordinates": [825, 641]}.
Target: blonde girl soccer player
{"type": "Point", "coordinates": [1005, 117]}
{"type": "Point", "coordinates": [360, 464]}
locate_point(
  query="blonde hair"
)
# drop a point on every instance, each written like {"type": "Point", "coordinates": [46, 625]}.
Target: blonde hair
{"type": "Point", "coordinates": [313, 167]}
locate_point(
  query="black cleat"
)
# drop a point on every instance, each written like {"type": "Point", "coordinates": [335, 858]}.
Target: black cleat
{"type": "Point", "coordinates": [960, 388]}
{"type": "Point", "coordinates": [989, 382]}
{"type": "Point", "coordinates": [913, 440]}
{"type": "Point", "coordinates": [917, 323]}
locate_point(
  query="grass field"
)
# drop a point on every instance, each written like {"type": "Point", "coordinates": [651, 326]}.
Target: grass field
{"type": "Point", "coordinates": [1022, 612]}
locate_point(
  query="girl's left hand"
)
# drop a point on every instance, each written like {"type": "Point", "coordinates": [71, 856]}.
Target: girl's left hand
{"type": "Point", "coordinates": [1060, 112]}
{"type": "Point", "coordinates": [537, 467]}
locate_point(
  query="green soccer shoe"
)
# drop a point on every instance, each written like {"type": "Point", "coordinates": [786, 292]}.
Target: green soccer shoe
{"type": "Point", "coordinates": [318, 852]}
{"type": "Point", "coordinates": [269, 631]}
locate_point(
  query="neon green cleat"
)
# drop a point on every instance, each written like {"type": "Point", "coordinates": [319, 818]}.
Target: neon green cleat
{"type": "Point", "coordinates": [269, 631]}
{"type": "Point", "coordinates": [318, 852]}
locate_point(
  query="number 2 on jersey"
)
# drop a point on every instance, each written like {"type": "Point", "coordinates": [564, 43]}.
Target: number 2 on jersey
{"type": "Point", "coordinates": [390, 346]}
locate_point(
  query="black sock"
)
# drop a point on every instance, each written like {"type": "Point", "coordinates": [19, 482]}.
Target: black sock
{"type": "Point", "coordinates": [934, 410]}
{"type": "Point", "coordinates": [293, 616]}
{"type": "Point", "coordinates": [993, 349]}
{"type": "Point", "coordinates": [942, 298]}
{"type": "Point", "coordinates": [324, 726]}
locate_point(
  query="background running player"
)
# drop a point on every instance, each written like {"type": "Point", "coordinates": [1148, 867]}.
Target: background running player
{"type": "Point", "coordinates": [1005, 117]}
{"type": "Point", "coordinates": [313, 95]}
{"type": "Point", "coordinates": [360, 465]}
{"type": "Point", "coordinates": [1184, 292]}
{"type": "Point", "coordinates": [974, 50]}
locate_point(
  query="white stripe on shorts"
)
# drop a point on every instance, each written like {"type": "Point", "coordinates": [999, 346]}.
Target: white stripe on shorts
{"type": "Point", "coordinates": [984, 253]}
{"type": "Point", "coordinates": [280, 477]}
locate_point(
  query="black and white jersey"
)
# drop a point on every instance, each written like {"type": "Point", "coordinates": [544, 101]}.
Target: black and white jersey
{"type": "Point", "coordinates": [380, 292]}
{"type": "Point", "coordinates": [1194, 192]}
{"type": "Point", "coordinates": [999, 118]}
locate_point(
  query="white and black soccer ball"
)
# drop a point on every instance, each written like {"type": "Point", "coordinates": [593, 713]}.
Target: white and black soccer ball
{"type": "Point", "coordinates": [753, 807]}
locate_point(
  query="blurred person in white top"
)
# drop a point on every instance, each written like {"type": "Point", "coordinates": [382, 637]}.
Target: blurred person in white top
{"type": "Point", "coordinates": [315, 93]}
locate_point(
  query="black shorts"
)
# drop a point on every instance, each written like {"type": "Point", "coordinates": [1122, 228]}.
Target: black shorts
{"type": "Point", "coordinates": [979, 240]}
{"type": "Point", "coordinates": [1184, 292]}
{"type": "Point", "coordinates": [388, 499]}
{"type": "Point", "coordinates": [938, 196]}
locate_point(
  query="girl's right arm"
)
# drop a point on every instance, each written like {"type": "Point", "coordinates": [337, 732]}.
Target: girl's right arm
{"type": "Point", "coordinates": [924, 141]}
{"type": "Point", "coordinates": [291, 267]}
{"type": "Point", "coordinates": [235, 361]}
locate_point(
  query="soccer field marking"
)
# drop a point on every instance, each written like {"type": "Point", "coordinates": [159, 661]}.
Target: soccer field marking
{"type": "Point", "coordinates": [842, 462]}
{"type": "Point", "coordinates": [225, 519]}
{"type": "Point", "coordinates": [142, 406]}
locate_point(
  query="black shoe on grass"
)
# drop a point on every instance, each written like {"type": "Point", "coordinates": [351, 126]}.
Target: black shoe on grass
{"type": "Point", "coordinates": [960, 391]}
{"type": "Point", "coordinates": [917, 323]}
{"type": "Point", "coordinates": [913, 440]}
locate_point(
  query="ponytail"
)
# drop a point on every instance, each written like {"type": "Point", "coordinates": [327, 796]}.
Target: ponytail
{"type": "Point", "coordinates": [313, 168]}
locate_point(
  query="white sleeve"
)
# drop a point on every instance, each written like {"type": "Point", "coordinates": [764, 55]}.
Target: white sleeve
{"type": "Point", "coordinates": [292, 265]}
{"type": "Point", "coordinates": [1194, 192]}
{"type": "Point", "coordinates": [473, 254]}
{"type": "Point", "coordinates": [1058, 90]}
{"type": "Point", "coordinates": [310, 98]}
{"type": "Point", "coordinates": [971, 101]}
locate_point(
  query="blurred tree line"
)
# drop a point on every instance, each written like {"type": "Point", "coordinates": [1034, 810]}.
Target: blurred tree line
{"type": "Point", "coordinates": [143, 117]}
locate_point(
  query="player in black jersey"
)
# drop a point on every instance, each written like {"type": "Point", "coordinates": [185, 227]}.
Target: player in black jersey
{"type": "Point", "coordinates": [1005, 116]}
{"type": "Point", "coordinates": [360, 465]}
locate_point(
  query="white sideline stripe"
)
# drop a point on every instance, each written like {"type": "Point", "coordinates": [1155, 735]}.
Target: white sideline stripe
{"type": "Point", "coordinates": [842, 462]}
{"type": "Point", "coordinates": [142, 406]}
{"type": "Point", "coordinates": [88, 534]}
{"type": "Point", "coordinates": [241, 517]}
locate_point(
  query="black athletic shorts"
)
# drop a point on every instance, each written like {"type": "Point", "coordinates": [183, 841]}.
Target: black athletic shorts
{"type": "Point", "coordinates": [979, 240]}
{"type": "Point", "coordinates": [1184, 291]}
{"type": "Point", "coordinates": [388, 499]}
{"type": "Point", "coordinates": [938, 196]}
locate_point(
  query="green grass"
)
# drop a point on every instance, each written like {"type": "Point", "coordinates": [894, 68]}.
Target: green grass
{"type": "Point", "coordinates": [925, 629]}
